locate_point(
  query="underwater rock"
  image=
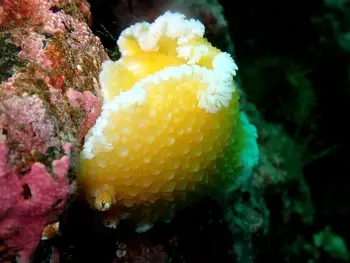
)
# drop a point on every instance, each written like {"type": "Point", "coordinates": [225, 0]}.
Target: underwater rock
{"type": "Point", "coordinates": [50, 62]}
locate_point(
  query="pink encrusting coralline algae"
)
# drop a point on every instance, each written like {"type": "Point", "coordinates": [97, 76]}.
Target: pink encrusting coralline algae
{"type": "Point", "coordinates": [29, 203]}
{"type": "Point", "coordinates": [50, 61]}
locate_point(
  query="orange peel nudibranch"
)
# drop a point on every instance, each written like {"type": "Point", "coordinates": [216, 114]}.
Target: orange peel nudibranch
{"type": "Point", "coordinates": [171, 129]}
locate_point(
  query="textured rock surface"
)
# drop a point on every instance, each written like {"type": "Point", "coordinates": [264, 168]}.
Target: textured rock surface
{"type": "Point", "coordinates": [49, 61]}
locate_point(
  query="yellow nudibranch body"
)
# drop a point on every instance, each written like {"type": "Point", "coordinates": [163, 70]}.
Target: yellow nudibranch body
{"type": "Point", "coordinates": [170, 130]}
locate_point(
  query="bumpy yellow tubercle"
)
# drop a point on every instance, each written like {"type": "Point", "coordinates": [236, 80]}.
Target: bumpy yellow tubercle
{"type": "Point", "coordinates": [170, 128]}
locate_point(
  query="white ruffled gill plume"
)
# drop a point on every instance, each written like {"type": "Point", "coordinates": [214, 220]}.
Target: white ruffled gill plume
{"type": "Point", "coordinates": [219, 79]}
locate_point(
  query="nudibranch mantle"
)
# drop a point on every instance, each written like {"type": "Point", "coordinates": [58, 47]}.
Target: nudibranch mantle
{"type": "Point", "coordinates": [170, 130]}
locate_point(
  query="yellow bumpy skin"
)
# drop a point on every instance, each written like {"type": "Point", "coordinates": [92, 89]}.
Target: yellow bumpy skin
{"type": "Point", "coordinates": [170, 130]}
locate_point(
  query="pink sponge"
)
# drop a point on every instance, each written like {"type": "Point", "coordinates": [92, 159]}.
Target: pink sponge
{"type": "Point", "coordinates": [29, 203]}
